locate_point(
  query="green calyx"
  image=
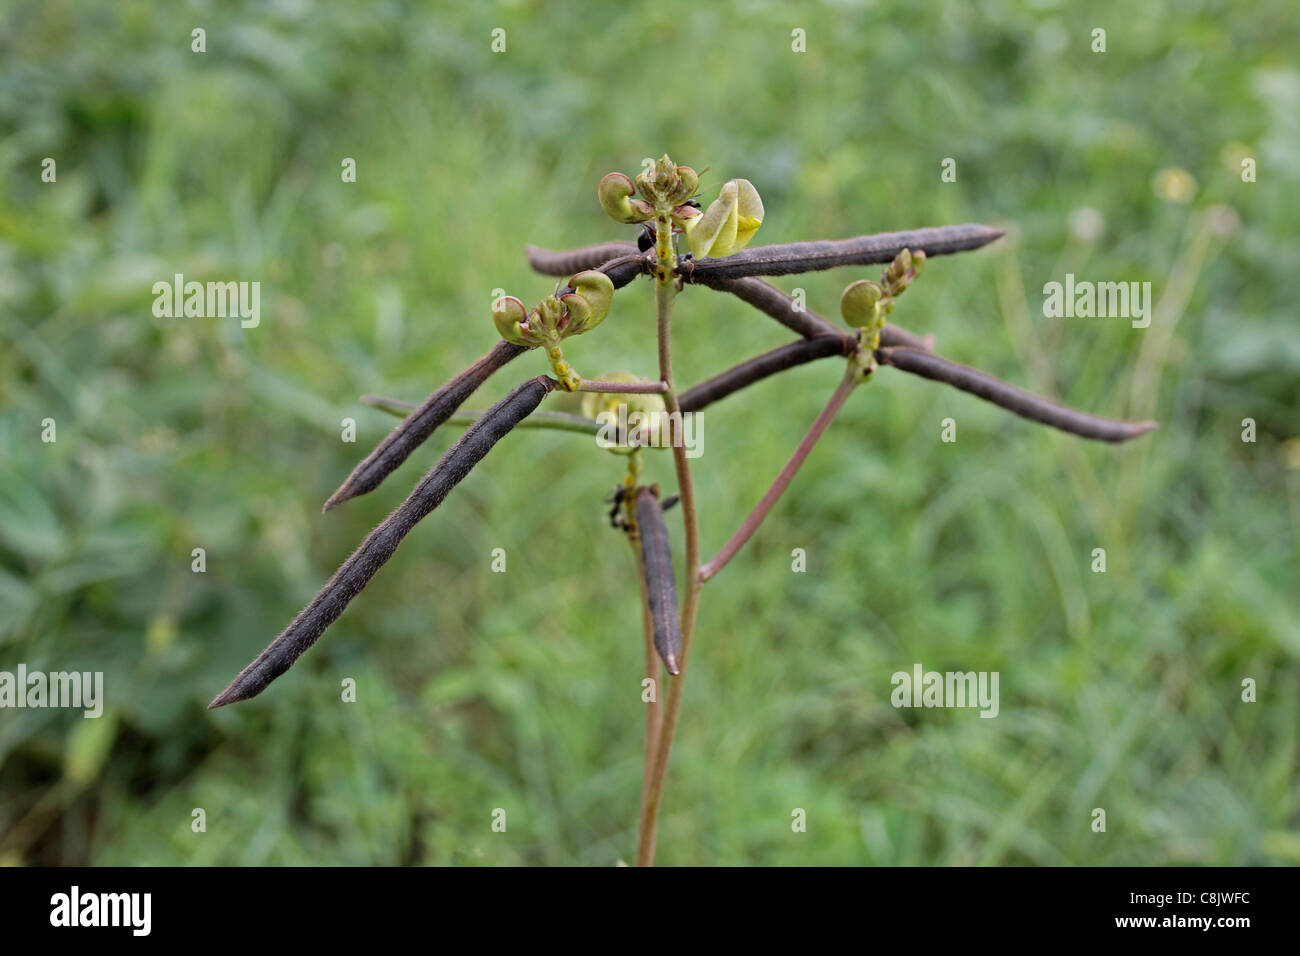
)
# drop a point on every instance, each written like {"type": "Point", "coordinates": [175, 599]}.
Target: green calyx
{"type": "Point", "coordinates": [664, 184]}
{"type": "Point", "coordinates": [616, 198]}
{"type": "Point", "coordinates": [580, 309]}
{"type": "Point", "coordinates": [865, 304]}
{"type": "Point", "coordinates": [665, 192]}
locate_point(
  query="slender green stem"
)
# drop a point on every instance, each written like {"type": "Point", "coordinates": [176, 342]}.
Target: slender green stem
{"type": "Point", "coordinates": [559, 421]}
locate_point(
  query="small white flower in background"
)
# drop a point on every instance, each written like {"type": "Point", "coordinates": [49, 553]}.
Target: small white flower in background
{"type": "Point", "coordinates": [1174, 185]}
{"type": "Point", "coordinates": [1087, 224]}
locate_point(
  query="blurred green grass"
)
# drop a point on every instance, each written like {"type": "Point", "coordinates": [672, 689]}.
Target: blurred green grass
{"type": "Point", "coordinates": [521, 691]}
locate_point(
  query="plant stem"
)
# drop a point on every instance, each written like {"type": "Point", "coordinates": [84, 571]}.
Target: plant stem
{"type": "Point", "coordinates": [852, 376]}
{"type": "Point", "coordinates": [664, 294]}
{"type": "Point", "coordinates": [625, 388]}
{"type": "Point", "coordinates": [559, 421]}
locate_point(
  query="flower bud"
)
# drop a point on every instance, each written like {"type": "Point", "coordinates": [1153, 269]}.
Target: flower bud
{"type": "Point", "coordinates": [861, 305]}
{"type": "Point", "coordinates": [690, 181]}
{"type": "Point", "coordinates": [589, 303]}
{"type": "Point", "coordinates": [683, 215]}
{"type": "Point", "coordinates": [511, 318]}
{"type": "Point", "coordinates": [615, 192]}
{"type": "Point", "coordinates": [902, 272]}
{"type": "Point", "coordinates": [660, 182]}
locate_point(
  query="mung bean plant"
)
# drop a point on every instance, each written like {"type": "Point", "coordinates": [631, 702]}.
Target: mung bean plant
{"type": "Point", "coordinates": [633, 417]}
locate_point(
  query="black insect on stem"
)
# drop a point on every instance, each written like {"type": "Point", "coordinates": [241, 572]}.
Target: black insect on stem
{"type": "Point", "coordinates": [380, 545]}
{"type": "Point", "coordinates": [661, 585]}
{"type": "Point", "coordinates": [616, 499]}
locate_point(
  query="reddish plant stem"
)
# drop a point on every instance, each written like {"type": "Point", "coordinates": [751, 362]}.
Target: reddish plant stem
{"type": "Point", "coordinates": [623, 388]}
{"type": "Point", "coordinates": [664, 293]}
{"type": "Point", "coordinates": [851, 378]}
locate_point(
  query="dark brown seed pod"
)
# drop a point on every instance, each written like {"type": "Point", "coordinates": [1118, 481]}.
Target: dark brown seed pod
{"type": "Point", "coordinates": [1013, 399]}
{"type": "Point", "coordinates": [798, 257]}
{"type": "Point", "coordinates": [661, 584]}
{"type": "Point", "coordinates": [380, 545]}
{"type": "Point", "coordinates": [416, 428]}
{"type": "Point", "coordinates": [761, 295]}
{"type": "Point", "coordinates": [569, 261]}
{"type": "Point", "coordinates": [768, 299]}
{"type": "Point", "coordinates": [761, 366]}
{"type": "Point", "coordinates": [622, 266]}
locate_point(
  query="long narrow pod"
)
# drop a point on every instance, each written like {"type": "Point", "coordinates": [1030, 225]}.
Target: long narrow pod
{"type": "Point", "coordinates": [380, 545]}
{"type": "Point", "coordinates": [1008, 396]}
{"type": "Point", "coordinates": [661, 585]}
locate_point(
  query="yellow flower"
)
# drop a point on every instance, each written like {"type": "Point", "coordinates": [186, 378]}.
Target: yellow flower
{"type": "Point", "coordinates": [728, 224]}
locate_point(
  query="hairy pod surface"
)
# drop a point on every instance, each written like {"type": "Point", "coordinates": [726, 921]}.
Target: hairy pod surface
{"type": "Point", "coordinates": [798, 257]}
{"type": "Point", "coordinates": [661, 584]}
{"type": "Point", "coordinates": [355, 573]}
{"type": "Point", "coordinates": [1008, 396]}
{"type": "Point", "coordinates": [421, 423]}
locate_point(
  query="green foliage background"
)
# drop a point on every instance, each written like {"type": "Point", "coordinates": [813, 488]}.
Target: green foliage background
{"type": "Point", "coordinates": [521, 691]}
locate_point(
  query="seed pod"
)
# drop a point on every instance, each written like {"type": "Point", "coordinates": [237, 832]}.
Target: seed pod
{"type": "Point", "coordinates": [380, 545]}
{"type": "Point", "coordinates": [1013, 399]}
{"type": "Point", "coordinates": [661, 585]}
{"type": "Point", "coordinates": [421, 423]}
